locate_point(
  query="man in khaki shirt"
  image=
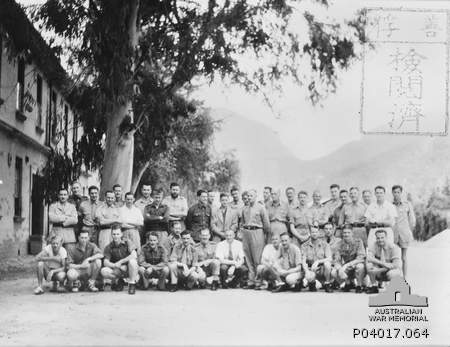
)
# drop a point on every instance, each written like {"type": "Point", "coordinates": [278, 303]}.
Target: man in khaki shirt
{"type": "Point", "coordinates": [300, 220]}
{"type": "Point", "coordinates": [64, 217]}
{"type": "Point", "coordinates": [145, 199]}
{"type": "Point", "coordinates": [87, 210]}
{"type": "Point", "coordinates": [353, 213]}
{"type": "Point", "coordinates": [318, 213]}
{"type": "Point", "coordinates": [279, 217]}
{"type": "Point", "coordinates": [107, 215]}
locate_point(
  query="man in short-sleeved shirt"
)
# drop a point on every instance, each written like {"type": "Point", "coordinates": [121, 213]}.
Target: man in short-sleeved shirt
{"type": "Point", "coordinates": [266, 271]}
{"type": "Point", "coordinates": [279, 216]}
{"type": "Point", "coordinates": [354, 214]}
{"type": "Point", "coordinates": [87, 211]}
{"type": "Point", "coordinates": [63, 217]}
{"type": "Point", "coordinates": [178, 206]}
{"type": "Point", "coordinates": [207, 265]}
{"type": "Point", "coordinates": [318, 213]}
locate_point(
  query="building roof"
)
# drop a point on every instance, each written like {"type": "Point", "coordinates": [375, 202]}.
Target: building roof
{"type": "Point", "coordinates": [16, 26]}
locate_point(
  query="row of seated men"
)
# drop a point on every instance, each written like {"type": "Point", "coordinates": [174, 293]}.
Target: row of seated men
{"type": "Point", "coordinates": [321, 262]}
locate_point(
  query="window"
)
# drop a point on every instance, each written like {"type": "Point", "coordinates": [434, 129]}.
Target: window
{"type": "Point", "coordinates": [20, 84]}
{"type": "Point", "coordinates": [75, 130]}
{"type": "Point", "coordinates": [18, 188]}
{"type": "Point", "coordinates": [39, 100]}
{"type": "Point", "coordinates": [66, 126]}
{"type": "Point", "coordinates": [53, 116]}
{"type": "Point", "coordinates": [48, 111]}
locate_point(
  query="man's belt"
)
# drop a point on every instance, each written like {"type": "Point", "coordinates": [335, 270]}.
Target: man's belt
{"type": "Point", "coordinates": [60, 225]}
{"type": "Point", "coordinates": [251, 227]}
{"type": "Point", "coordinates": [378, 225]}
{"type": "Point", "coordinates": [104, 227]}
{"type": "Point", "coordinates": [358, 225]}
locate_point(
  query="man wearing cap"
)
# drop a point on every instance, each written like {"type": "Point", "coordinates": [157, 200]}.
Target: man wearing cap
{"type": "Point", "coordinates": [88, 210]}
{"type": "Point", "coordinates": [279, 216]}
{"type": "Point", "coordinates": [318, 213]}
{"type": "Point", "coordinates": [64, 217]}
{"type": "Point", "coordinates": [178, 207]}
{"type": "Point", "coordinates": [156, 218]}
{"type": "Point", "coordinates": [207, 265]}
{"type": "Point", "coordinates": [255, 227]}
{"type": "Point", "coordinates": [182, 261]}
{"type": "Point", "coordinates": [223, 218]}
{"type": "Point", "coordinates": [300, 220]}
{"type": "Point", "coordinates": [349, 261]}
{"type": "Point", "coordinates": [354, 214]}
{"type": "Point", "coordinates": [317, 260]}
{"type": "Point", "coordinates": [199, 216]}
{"type": "Point", "coordinates": [107, 215]}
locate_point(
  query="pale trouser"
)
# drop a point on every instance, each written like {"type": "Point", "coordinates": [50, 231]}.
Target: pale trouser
{"type": "Point", "coordinates": [177, 274]}
{"type": "Point", "coordinates": [253, 242]}
{"type": "Point", "coordinates": [129, 270]}
{"type": "Point", "coordinates": [132, 235]}
{"type": "Point", "coordinates": [372, 237]}
{"type": "Point", "coordinates": [211, 269]}
{"type": "Point", "coordinates": [104, 238]}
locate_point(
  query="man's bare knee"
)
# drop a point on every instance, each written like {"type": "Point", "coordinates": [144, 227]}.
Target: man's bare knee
{"type": "Point", "coordinates": [72, 275]}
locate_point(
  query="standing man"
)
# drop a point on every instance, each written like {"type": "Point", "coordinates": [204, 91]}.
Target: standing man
{"type": "Point", "coordinates": [182, 261]}
{"type": "Point", "coordinates": [300, 220]}
{"type": "Point", "coordinates": [84, 263]}
{"type": "Point", "coordinates": [156, 218]}
{"type": "Point", "coordinates": [178, 207]}
{"type": "Point", "coordinates": [383, 260]}
{"type": "Point", "coordinates": [107, 215]}
{"type": "Point", "coordinates": [207, 265]}
{"type": "Point", "coordinates": [211, 199]}
{"type": "Point", "coordinates": [117, 189]}
{"type": "Point", "coordinates": [404, 225]}
{"type": "Point", "coordinates": [245, 199]}
{"type": "Point", "coordinates": [334, 201]}
{"type": "Point", "coordinates": [291, 199]}
{"type": "Point", "coordinates": [224, 218]}
{"type": "Point", "coordinates": [266, 272]}
{"type": "Point", "coordinates": [230, 254]}
{"type": "Point", "coordinates": [88, 210]}
{"type": "Point", "coordinates": [318, 213]}
{"type": "Point", "coordinates": [153, 262]}
{"type": "Point", "coordinates": [343, 197]}
{"type": "Point", "coordinates": [279, 216]}
{"type": "Point", "coordinates": [146, 198]}
{"type": "Point", "coordinates": [256, 226]}
{"type": "Point", "coordinates": [380, 214]}
{"type": "Point", "coordinates": [349, 261]}
{"type": "Point", "coordinates": [236, 203]}
{"type": "Point", "coordinates": [367, 197]}
{"type": "Point", "coordinates": [317, 254]}
{"type": "Point", "coordinates": [51, 265]}
{"type": "Point", "coordinates": [199, 216]}
{"type": "Point", "coordinates": [64, 217]}
{"type": "Point", "coordinates": [354, 214]}
{"type": "Point", "coordinates": [120, 262]}
{"type": "Point", "coordinates": [131, 219]}
{"type": "Point", "coordinates": [77, 198]}
{"type": "Point", "coordinates": [267, 196]}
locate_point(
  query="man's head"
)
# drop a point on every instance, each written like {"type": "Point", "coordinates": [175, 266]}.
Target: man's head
{"type": "Point", "coordinates": [397, 191]}
{"type": "Point", "coordinates": [224, 200]}
{"type": "Point", "coordinates": [56, 242]}
{"type": "Point", "coordinates": [380, 235]}
{"type": "Point", "coordinates": [354, 194]}
{"type": "Point", "coordinates": [157, 195]}
{"type": "Point", "coordinates": [93, 193]}
{"type": "Point", "coordinates": [229, 235]}
{"type": "Point", "coordinates": [275, 240]}
{"type": "Point", "coordinates": [117, 189]}
{"type": "Point", "coordinates": [266, 193]}
{"type": "Point", "coordinates": [185, 237]}
{"type": "Point", "coordinates": [129, 199]}
{"type": "Point", "coordinates": [367, 196]}
{"type": "Point", "coordinates": [116, 233]}
{"type": "Point", "coordinates": [153, 239]}
{"type": "Point", "coordinates": [176, 228]}
{"type": "Point", "coordinates": [343, 196]}
{"type": "Point", "coordinates": [110, 198]}
{"type": "Point", "coordinates": [290, 194]}
{"type": "Point", "coordinates": [314, 230]}
{"type": "Point", "coordinates": [275, 195]}
{"type": "Point", "coordinates": [63, 195]}
{"type": "Point", "coordinates": [252, 196]}
{"type": "Point", "coordinates": [202, 196]}
{"type": "Point", "coordinates": [285, 240]}
{"type": "Point", "coordinates": [334, 191]}
{"type": "Point", "coordinates": [328, 229]}
{"type": "Point", "coordinates": [204, 236]}
{"type": "Point", "coordinates": [146, 190]}
{"type": "Point", "coordinates": [211, 197]}
{"type": "Point", "coordinates": [245, 198]}
{"type": "Point", "coordinates": [379, 194]}
{"type": "Point", "coordinates": [235, 194]}
{"type": "Point", "coordinates": [302, 197]}
{"type": "Point", "coordinates": [83, 237]}
{"type": "Point", "coordinates": [174, 190]}
{"type": "Point", "coordinates": [76, 188]}
{"type": "Point", "coordinates": [347, 232]}
{"type": "Point", "coordinates": [316, 197]}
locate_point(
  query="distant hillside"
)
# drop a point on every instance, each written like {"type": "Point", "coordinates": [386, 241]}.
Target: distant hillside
{"type": "Point", "coordinates": [419, 163]}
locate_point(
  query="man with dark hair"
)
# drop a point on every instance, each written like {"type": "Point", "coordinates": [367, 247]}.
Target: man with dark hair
{"type": "Point", "coordinates": [145, 198]}
{"type": "Point", "coordinates": [291, 198]}
{"type": "Point", "coordinates": [267, 196]}
{"type": "Point", "coordinates": [300, 220]}
{"type": "Point", "coordinates": [117, 189]}
{"type": "Point", "coordinates": [330, 237]}
{"type": "Point", "coordinates": [383, 260]}
{"type": "Point", "coordinates": [353, 214]}
{"type": "Point", "coordinates": [266, 272]}
{"type": "Point", "coordinates": [349, 261]}
{"type": "Point", "coordinates": [178, 207]}
{"type": "Point", "coordinates": [120, 262]}
{"type": "Point", "coordinates": [245, 199]}
{"type": "Point", "coordinates": [131, 219]}
{"type": "Point", "coordinates": [153, 262]}
{"type": "Point", "coordinates": [380, 214]}
{"type": "Point", "coordinates": [64, 217]}
{"type": "Point", "coordinates": [181, 265]}
{"type": "Point", "coordinates": [107, 215]}
{"type": "Point", "coordinates": [404, 224]}
{"type": "Point", "coordinates": [84, 263]}
{"type": "Point", "coordinates": [199, 216]}
{"type": "Point", "coordinates": [223, 218]}
{"type": "Point", "coordinates": [334, 200]}
{"type": "Point", "coordinates": [156, 218]}
{"type": "Point", "coordinates": [367, 197]}
{"type": "Point", "coordinates": [236, 203]}
{"type": "Point", "coordinates": [77, 198]}
{"type": "Point", "coordinates": [279, 215]}
{"type": "Point", "coordinates": [211, 199]}
{"type": "Point", "coordinates": [318, 212]}
{"type": "Point", "coordinates": [207, 265]}
{"type": "Point", "coordinates": [88, 210]}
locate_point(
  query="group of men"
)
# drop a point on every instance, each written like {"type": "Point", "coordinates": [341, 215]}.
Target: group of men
{"type": "Point", "coordinates": [342, 243]}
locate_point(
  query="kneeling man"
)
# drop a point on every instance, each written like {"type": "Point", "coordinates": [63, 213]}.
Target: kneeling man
{"type": "Point", "coordinates": [120, 262]}
{"type": "Point", "coordinates": [84, 263]}
{"type": "Point", "coordinates": [153, 262]}
{"type": "Point", "coordinates": [384, 261]}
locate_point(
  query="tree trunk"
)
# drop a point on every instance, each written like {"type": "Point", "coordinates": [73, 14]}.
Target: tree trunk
{"type": "Point", "coordinates": [137, 177]}
{"type": "Point", "coordinates": [119, 148]}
